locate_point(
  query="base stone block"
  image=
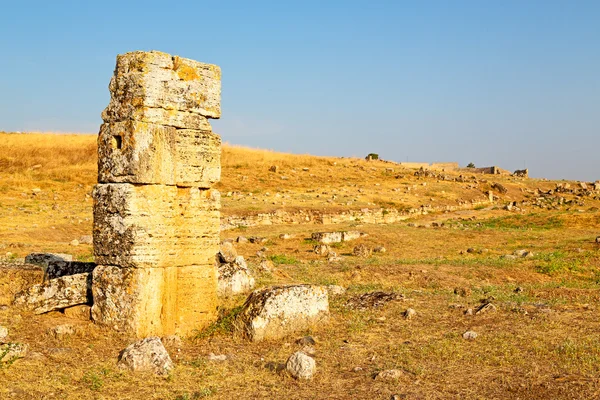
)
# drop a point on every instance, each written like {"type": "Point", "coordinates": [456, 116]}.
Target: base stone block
{"type": "Point", "coordinates": [154, 226]}
{"type": "Point", "coordinates": [156, 301]}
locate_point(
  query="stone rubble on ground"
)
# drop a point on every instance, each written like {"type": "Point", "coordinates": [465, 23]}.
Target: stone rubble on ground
{"type": "Point", "coordinates": [389, 375]}
{"type": "Point", "coordinates": [148, 355]}
{"type": "Point", "coordinates": [335, 290]}
{"type": "Point", "coordinates": [235, 277]}
{"type": "Point", "coordinates": [10, 352]}
{"type": "Point", "coordinates": [276, 312]}
{"type": "Point", "coordinates": [3, 333]}
{"type": "Point", "coordinates": [301, 366]}
{"type": "Point", "coordinates": [470, 335]}
{"type": "Point", "coordinates": [362, 251]}
{"type": "Point", "coordinates": [409, 313]}
{"type": "Point", "coordinates": [62, 331]}
{"type": "Point", "coordinates": [227, 253]}
{"type": "Point", "coordinates": [336, 237]}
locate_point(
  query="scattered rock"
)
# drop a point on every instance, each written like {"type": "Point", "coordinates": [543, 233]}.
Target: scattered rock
{"type": "Point", "coordinates": [373, 300]}
{"type": "Point", "coordinates": [470, 335]}
{"type": "Point", "coordinates": [336, 237]}
{"type": "Point", "coordinates": [286, 236]}
{"type": "Point", "coordinates": [241, 239]}
{"type": "Point", "coordinates": [523, 253]}
{"type": "Point", "coordinates": [10, 352]}
{"type": "Point", "coordinates": [469, 311]}
{"type": "Point", "coordinates": [322, 249]}
{"type": "Point", "coordinates": [235, 277]}
{"type": "Point", "coordinates": [462, 291]}
{"type": "Point", "coordinates": [361, 251]}
{"type": "Point", "coordinates": [484, 308]}
{"type": "Point", "coordinates": [509, 257]}
{"type": "Point", "coordinates": [333, 257]}
{"type": "Point", "coordinates": [82, 312]}
{"type": "Point", "coordinates": [56, 294]}
{"type": "Point", "coordinates": [74, 242]}
{"type": "Point", "coordinates": [146, 355]}
{"type": "Point", "coordinates": [219, 358]}
{"type": "Point", "coordinates": [3, 333]}
{"type": "Point", "coordinates": [86, 239]}
{"type": "Point", "coordinates": [257, 240]}
{"type": "Point", "coordinates": [389, 375]}
{"type": "Point", "coordinates": [518, 289]}
{"type": "Point", "coordinates": [61, 331]}
{"type": "Point", "coordinates": [227, 253]}
{"type": "Point", "coordinates": [306, 341]}
{"type": "Point", "coordinates": [301, 366]}
{"type": "Point", "coordinates": [379, 249]}
{"type": "Point", "coordinates": [409, 314]}
{"type": "Point", "coordinates": [273, 168]}
{"type": "Point", "coordinates": [276, 312]}
{"type": "Point", "coordinates": [499, 187]}
{"type": "Point", "coordinates": [335, 290]}
{"type": "Point", "coordinates": [266, 266]}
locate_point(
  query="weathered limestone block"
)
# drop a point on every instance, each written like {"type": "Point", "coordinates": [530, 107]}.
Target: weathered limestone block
{"type": "Point", "coordinates": [155, 301]}
{"type": "Point", "coordinates": [276, 312]}
{"type": "Point", "coordinates": [43, 259]}
{"type": "Point", "coordinates": [56, 294]}
{"type": "Point", "coordinates": [179, 88]}
{"type": "Point", "coordinates": [147, 355]}
{"type": "Point", "coordinates": [336, 237]}
{"type": "Point", "coordinates": [56, 269]}
{"type": "Point", "coordinates": [235, 277]}
{"type": "Point", "coordinates": [139, 152]}
{"type": "Point", "coordinates": [147, 226]}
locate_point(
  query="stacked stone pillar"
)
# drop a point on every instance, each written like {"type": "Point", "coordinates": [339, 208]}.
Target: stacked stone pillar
{"type": "Point", "coordinates": [156, 218]}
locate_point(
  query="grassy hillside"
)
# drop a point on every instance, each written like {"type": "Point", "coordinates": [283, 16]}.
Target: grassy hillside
{"type": "Point", "coordinates": [541, 342]}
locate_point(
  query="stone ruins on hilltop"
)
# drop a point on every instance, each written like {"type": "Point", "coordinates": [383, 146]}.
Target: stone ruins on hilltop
{"type": "Point", "coordinates": [156, 218]}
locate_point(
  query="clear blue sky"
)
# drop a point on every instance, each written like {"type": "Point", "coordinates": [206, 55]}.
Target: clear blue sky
{"type": "Point", "coordinates": [512, 83]}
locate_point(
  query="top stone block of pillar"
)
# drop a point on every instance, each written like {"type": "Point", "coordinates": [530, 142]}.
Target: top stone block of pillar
{"type": "Point", "coordinates": [159, 88]}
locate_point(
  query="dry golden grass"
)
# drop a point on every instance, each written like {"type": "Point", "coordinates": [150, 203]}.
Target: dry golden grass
{"type": "Point", "coordinates": [541, 343]}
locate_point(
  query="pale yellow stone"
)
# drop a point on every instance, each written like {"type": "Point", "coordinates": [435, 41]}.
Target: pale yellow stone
{"type": "Point", "coordinates": [139, 152]}
{"type": "Point", "coordinates": [153, 226]}
{"type": "Point", "coordinates": [156, 301]}
{"type": "Point", "coordinates": [153, 80]}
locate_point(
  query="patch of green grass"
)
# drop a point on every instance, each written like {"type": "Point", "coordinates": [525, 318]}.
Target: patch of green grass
{"type": "Point", "coordinates": [556, 262]}
{"type": "Point", "coordinates": [279, 259]}
{"type": "Point", "coordinates": [518, 222]}
{"type": "Point", "coordinates": [223, 326]}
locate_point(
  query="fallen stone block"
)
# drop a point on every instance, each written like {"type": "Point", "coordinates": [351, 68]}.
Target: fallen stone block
{"type": "Point", "coordinates": [43, 259]}
{"type": "Point", "coordinates": [336, 237]}
{"type": "Point", "coordinates": [276, 312]}
{"type": "Point", "coordinates": [56, 294]}
{"type": "Point", "coordinates": [56, 269]}
{"type": "Point", "coordinates": [235, 277]}
{"type": "Point", "coordinates": [147, 355]}
{"type": "Point", "coordinates": [155, 301]}
{"type": "Point", "coordinates": [149, 226]}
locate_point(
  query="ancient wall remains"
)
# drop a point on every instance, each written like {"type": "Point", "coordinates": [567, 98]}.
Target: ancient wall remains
{"type": "Point", "coordinates": [156, 218]}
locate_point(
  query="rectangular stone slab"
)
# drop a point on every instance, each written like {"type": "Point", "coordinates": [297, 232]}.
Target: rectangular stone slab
{"type": "Point", "coordinates": [158, 301]}
{"type": "Point", "coordinates": [139, 152]}
{"type": "Point", "coordinates": [56, 294]}
{"type": "Point", "coordinates": [154, 226]}
{"type": "Point", "coordinates": [146, 81]}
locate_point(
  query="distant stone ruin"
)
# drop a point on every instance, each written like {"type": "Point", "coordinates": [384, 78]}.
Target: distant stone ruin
{"type": "Point", "coordinates": [156, 218]}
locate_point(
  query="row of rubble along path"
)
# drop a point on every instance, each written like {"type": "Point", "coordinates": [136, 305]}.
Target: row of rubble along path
{"type": "Point", "coordinates": [156, 218]}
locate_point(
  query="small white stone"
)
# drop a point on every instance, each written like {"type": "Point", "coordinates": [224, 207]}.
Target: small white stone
{"type": "Point", "coordinates": [470, 335]}
{"type": "Point", "coordinates": [301, 366]}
